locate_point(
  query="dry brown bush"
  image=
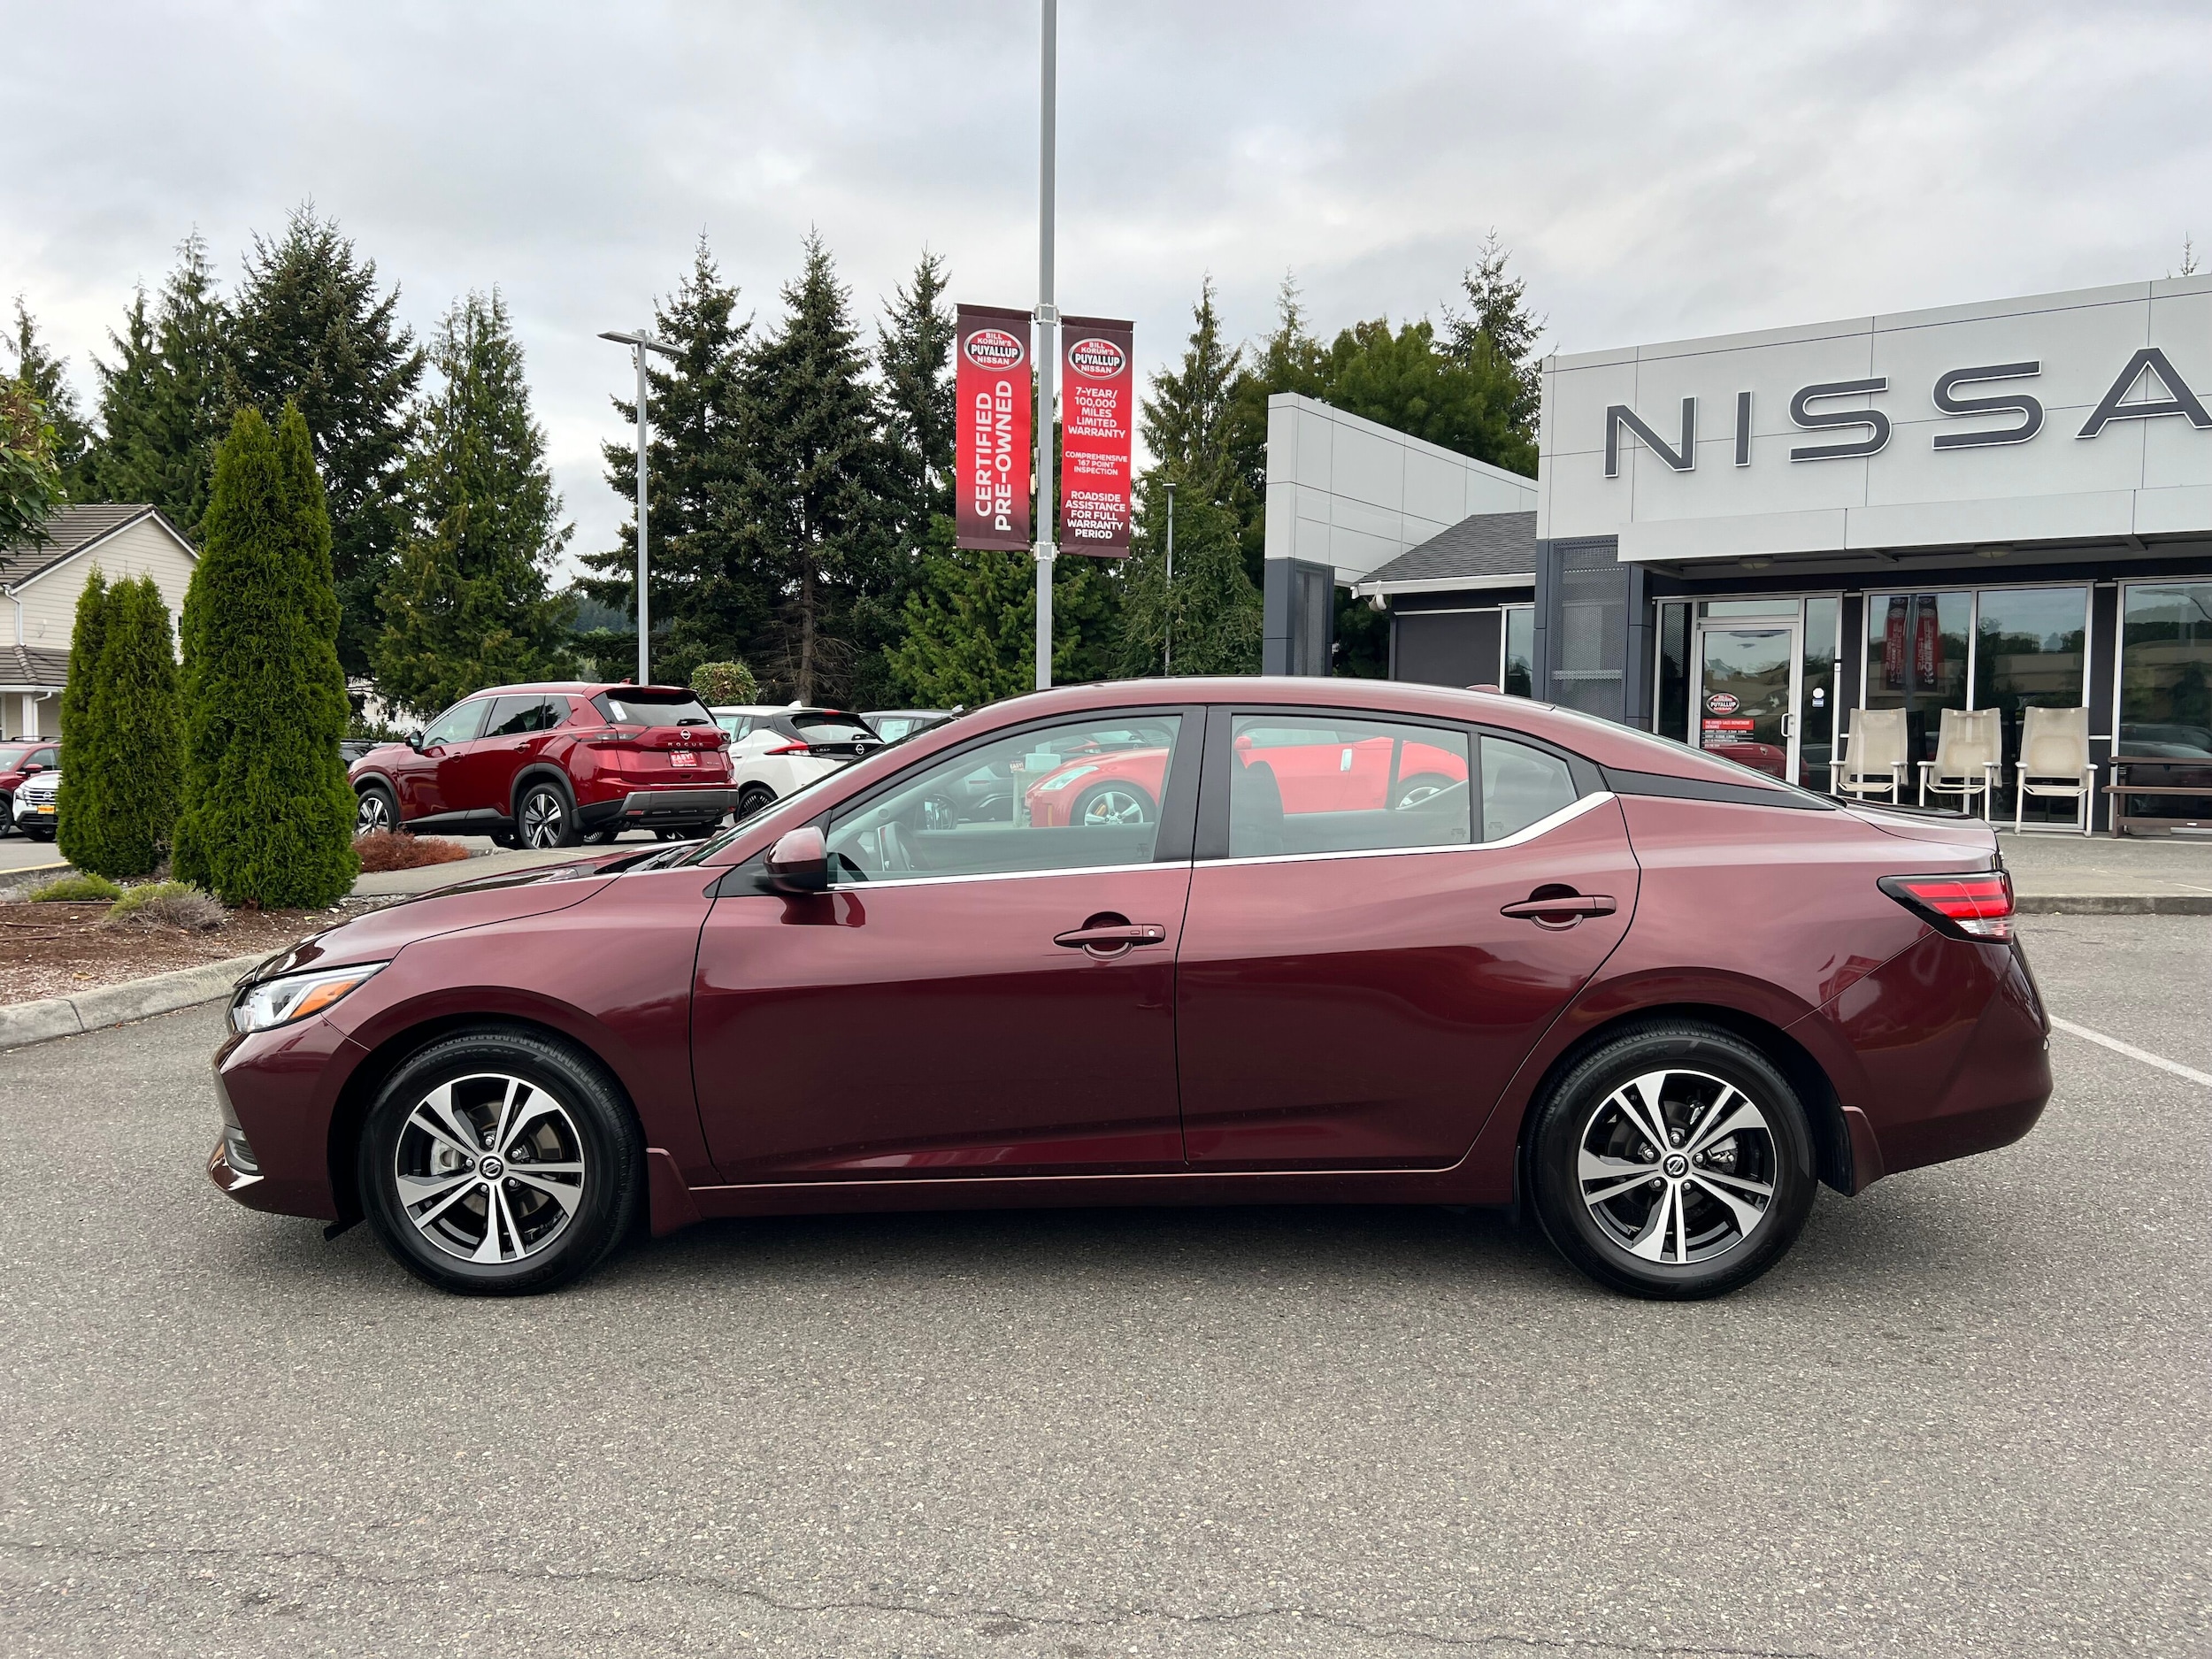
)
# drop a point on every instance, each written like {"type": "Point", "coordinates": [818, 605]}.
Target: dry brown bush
{"type": "Point", "coordinates": [387, 849]}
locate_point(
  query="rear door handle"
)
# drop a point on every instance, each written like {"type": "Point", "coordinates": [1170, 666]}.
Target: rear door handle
{"type": "Point", "coordinates": [1561, 912]}
{"type": "Point", "coordinates": [1112, 940]}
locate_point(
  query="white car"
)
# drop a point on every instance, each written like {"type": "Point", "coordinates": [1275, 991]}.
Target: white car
{"type": "Point", "coordinates": [773, 751]}
{"type": "Point", "coordinates": [37, 806]}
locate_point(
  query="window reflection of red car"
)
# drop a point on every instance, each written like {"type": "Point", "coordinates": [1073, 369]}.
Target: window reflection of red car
{"type": "Point", "coordinates": [1769, 758]}
{"type": "Point", "coordinates": [1317, 775]}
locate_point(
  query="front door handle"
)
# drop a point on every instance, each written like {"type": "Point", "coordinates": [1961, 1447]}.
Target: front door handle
{"type": "Point", "coordinates": [1563, 911]}
{"type": "Point", "coordinates": [1112, 940]}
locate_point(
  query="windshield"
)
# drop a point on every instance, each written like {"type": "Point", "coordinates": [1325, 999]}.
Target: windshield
{"type": "Point", "coordinates": [11, 756]}
{"type": "Point", "coordinates": [631, 707]}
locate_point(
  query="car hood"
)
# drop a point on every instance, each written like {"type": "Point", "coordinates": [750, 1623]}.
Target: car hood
{"type": "Point", "coordinates": [504, 897]}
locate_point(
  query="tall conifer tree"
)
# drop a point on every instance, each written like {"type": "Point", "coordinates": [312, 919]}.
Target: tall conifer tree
{"type": "Point", "coordinates": [123, 762]}
{"type": "Point", "coordinates": [267, 815]}
{"type": "Point", "coordinates": [312, 327]}
{"type": "Point", "coordinates": [164, 403]}
{"type": "Point", "coordinates": [46, 378]}
{"type": "Point", "coordinates": [78, 803]}
{"type": "Point", "coordinates": [469, 605]}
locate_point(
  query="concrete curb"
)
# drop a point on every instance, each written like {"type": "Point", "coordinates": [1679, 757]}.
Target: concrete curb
{"type": "Point", "coordinates": [2113, 903]}
{"type": "Point", "coordinates": [34, 875]}
{"type": "Point", "coordinates": [26, 1023]}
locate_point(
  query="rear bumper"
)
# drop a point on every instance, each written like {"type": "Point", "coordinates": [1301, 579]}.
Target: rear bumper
{"type": "Point", "coordinates": [654, 809]}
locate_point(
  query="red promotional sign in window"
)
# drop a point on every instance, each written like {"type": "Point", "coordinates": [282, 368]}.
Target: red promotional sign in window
{"type": "Point", "coordinates": [1097, 410]}
{"type": "Point", "coordinates": [994, 394]}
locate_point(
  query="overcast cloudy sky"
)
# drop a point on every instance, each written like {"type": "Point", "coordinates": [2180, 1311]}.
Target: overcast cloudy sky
{"type": "Point", "coordinates": [1659, 169]}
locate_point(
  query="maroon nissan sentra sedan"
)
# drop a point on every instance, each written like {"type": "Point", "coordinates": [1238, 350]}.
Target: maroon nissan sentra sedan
{"type": "Point", "coordinates": [1329, 941]}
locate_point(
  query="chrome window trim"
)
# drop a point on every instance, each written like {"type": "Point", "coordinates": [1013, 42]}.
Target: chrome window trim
{"type": "Point", "coordinates": [1003, 875]}
{"type": "Point", "coordinates": [1520, 837]}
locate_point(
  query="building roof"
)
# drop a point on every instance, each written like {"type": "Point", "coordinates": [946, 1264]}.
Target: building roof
{"type": "Point", "coordinates": [71, 530]}
{"type": "Point", "coordinates": [33, 668]}
{"type": "Point", "coordinates": [1487, 549]}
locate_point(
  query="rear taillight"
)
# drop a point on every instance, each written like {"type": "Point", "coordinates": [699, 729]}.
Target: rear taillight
{"type": "Point", "coordinates": [794, 749]}
{"type": "Point", "coordinates": [1972, 906]}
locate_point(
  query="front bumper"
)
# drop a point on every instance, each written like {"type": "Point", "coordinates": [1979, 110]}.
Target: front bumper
{"type": "Point", "coordinates": [656, 809]}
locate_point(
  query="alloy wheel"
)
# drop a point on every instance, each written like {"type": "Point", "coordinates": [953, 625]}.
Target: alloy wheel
{"type": "Point", "coordinates": [373, 813]}
{"type": "Point", "coordinates": [490, 1168]}
{"type": "Point", "coordinates": [1677, 1167]}
{"type": "Point", "coordinates": [543, 818]}
{"type": "Point", "coordinates": [1112, 806]}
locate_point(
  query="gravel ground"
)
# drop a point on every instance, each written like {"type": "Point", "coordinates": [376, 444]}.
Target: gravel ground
{"type": "Point", "coordinates": [1966, 1417]}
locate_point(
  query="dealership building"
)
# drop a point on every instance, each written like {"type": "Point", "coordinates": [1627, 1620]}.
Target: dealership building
{"type": "Point", "coordinates": [1735, 542]}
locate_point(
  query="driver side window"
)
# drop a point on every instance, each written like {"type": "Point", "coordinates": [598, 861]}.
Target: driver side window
{"type": "Point", "coordinates": [1077, 796]}
{"type": "Point", "coordinates": [457, 725]}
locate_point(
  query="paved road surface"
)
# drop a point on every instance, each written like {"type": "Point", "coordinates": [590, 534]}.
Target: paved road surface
{"type": "Point", "coordinates": [1967, 1416]}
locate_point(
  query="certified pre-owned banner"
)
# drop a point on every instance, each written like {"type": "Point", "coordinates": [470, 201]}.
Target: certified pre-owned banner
{"type": "Point", "coordinates": [993, 388]}
{"type": "Point", "coordinates": [1096, 412]}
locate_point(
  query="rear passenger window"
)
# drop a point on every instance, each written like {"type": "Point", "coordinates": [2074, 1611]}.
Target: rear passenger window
{"type": "Point", "coordinates": [1303, 785]}
{"type": "Point", "coordinates": [1521, 785]}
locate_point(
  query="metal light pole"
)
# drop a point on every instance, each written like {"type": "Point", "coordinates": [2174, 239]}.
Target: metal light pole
{"type": "Point", "coordinates": [1167, 624]}
{"type": "Point", "coordinates": [639, 343]}
{"type": "Point", "coordinates": [1048, 343]}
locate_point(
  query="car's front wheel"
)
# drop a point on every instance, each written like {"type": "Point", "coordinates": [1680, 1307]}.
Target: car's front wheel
{"type": "Point", "coordinates": [374, 810]}
{"type": "Point", "coordinates": [1673, 1162]}
{"type": "Point", "coordinates": [498, 1162]}
{"type": "Point", "coordinates": [1113, 806]}
{"type": "Point", "coordinates": [753, 799]}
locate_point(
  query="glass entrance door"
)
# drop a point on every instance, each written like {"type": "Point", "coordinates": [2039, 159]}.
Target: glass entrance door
{"type": "Point", "coordinates": [1746, 694]}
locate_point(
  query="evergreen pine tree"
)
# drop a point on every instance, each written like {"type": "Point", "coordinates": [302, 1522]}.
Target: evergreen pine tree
{"type": "Point", "coordinates": [810, 498]}
{"type": "Point", "coordinates": [914, 356]}
{"type": "Point", "coordinates": [469, 605]}
{"type": "Point", "coordinates": [312, 328]}
{"type": "Point", "coordinates": [46, 378]}
{"type": "Point", "coordinates": [30, 483]}
{"type": "Point", "coordinates": [1499, 331]}
{"type": "Point", "coordinates": [78, 803]}
{"type": "Point", "coordinates": [1212, 611]}
{"type": "Point", "coordinates": [706, 595]}
{"type": "Point", "coordinates": [164, 403]}
{"type": "Point", "coordinates": [129, 751]}
{"type": "Point", "coordinates": [267, 816]}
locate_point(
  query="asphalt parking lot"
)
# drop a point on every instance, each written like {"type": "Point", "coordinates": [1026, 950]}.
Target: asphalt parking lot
{"type": "Point", "coordinates": [1967, 1416]}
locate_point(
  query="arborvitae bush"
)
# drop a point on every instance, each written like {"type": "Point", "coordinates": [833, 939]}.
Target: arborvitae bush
{"type": "Point", "coordinates": [268, 815]}
{"type": "Point", "coordinates": [125, 764]}
{"type": "Point", "coordinates": [77, 804]}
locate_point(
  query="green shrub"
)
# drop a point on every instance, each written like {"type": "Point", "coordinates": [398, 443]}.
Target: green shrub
{"type": "Point", "coordinates": [722, 683]}
{"type": "Point", "coordinates": [77, 803]}
{"type": "Point", "coordinates": [167, 905]}
{"type": "Point", "coordinates": [268, 815]}
{"type": "Point", "coordinates": [76, 890]}
{"type": "Point", "coordinates": [123, 764]}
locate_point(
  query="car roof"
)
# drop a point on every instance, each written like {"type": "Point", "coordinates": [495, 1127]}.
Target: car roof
{"type": "Point", "coordinates": [579, 688]}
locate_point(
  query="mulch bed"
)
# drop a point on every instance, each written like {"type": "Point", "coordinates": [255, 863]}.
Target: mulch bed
{"type": "Point", "coordinates": [58, 949]}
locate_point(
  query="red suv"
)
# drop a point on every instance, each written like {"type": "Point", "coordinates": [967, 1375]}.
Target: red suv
{"type": "Point", "coordinates": [550, 765]}
{"type": "Point", "coordinates": [22, 757]}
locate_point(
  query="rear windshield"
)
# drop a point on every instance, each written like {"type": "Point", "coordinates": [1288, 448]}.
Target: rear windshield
{"type": "Point", "coordinates": [833, 728]}
{"type": "Point", "coordinates": [651, 708]}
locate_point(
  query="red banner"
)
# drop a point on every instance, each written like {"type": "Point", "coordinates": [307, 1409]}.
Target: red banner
{"type": "Point", "coordinates": [994, 393]}
{"type": "Point", "coordinates": [1097, 410]}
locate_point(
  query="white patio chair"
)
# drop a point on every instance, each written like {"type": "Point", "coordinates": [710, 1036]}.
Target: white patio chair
{"type": "Point", "coordinates": [2055, 762]}
{"type": "Point", "coordinates": [1874, 755]}
{"type": "Point", "coordinates": [1969, 752]}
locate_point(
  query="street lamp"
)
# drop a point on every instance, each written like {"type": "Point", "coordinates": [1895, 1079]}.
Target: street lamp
{"type": "Point", "coordinates": [639, 343]}
{"type": "Point", "coordinates": [1167, 621]}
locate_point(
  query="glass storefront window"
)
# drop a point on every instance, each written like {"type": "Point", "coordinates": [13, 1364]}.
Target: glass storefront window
{"type": "Point", "coordinates": [1817, 726]}
{"type": "Point", "coordinates": [1671, 716]}
{"type": "Point", "coordinates": [2029, 653]}
{"type": "Point", "coordinates": [1520, 651]}
{"type": "Point", "coordinates": [2166, 692]}
{"type": "Point", "coordinates": [1916, 660]}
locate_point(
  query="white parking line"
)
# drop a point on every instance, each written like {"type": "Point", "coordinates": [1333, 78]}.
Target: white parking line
{"type": "Point", "coordinates": [2133, 1052]}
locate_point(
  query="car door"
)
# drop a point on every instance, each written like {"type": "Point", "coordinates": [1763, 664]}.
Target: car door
{"type": "Point", "coordinates": [429, 780]}
{"type": "Point", "coordinates": [515, 733]}
{"type": "Point", "coordinates": [1355, 987]}
{"type": "Point", "coordinates": [971, 998]}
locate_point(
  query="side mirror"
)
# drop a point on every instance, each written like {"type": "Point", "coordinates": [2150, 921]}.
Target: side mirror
{"type": "Point", "coordinates": [31, 767]}
{"type": "Point", "coordinates": [800, 862]}
{"type": "Point", "coordinates": [413, 739]}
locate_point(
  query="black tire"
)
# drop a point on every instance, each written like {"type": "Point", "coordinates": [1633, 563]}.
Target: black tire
{"type": "Point", "coordinates": [374, 809]}
{"type": "Point", "coordinates": [1698, 1215]}
{"type": "Point", "coordinates": [39, 834]}
{"type": "Point", "coordinates": [545, 816]}
{"type": "Point", "coordinates": [1117, 805]}
{"type": "Point", "coordinates": [542, 1241]}
{"type": "Point", "coordinates": [507, 837]}
{"type": "Point", "coordinates": [753, 800]}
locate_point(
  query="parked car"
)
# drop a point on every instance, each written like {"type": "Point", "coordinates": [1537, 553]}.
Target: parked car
{"type": "Point", "coordinates": [351, 749]}
{"type": "Point", "coordinates": [548, 766]}
{"type": "Point", "coordinates": [22, 757]}
{"type": "Point", "coordinates": [785, 750]}
{"type": "Point", "coordinates": [38, 805]}
{"type": "Point", "coordinates": [895, 726]}
{"type": "Point", "coordinates": [1581, 972]}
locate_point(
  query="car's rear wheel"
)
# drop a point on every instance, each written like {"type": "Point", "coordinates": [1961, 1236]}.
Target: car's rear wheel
{"type": "Point", "coordinates": [1111, 805]}
{"type": "Point", "coordinates": [1674, 1161]}
{"type": "Point", "coordinates": [498, 1163]}
{"type": "Point", "coordinates": [374, 810]}
{"type": "Point", "coordinates": [754, 799]}
{"type": "Point", "coordinates": [545, 817]}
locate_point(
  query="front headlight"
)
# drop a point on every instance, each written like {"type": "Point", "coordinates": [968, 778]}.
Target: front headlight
{"type": "Point", "coordinates": [295, 996]}
{"type": "Point", "coordinates": [1066, 777]}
